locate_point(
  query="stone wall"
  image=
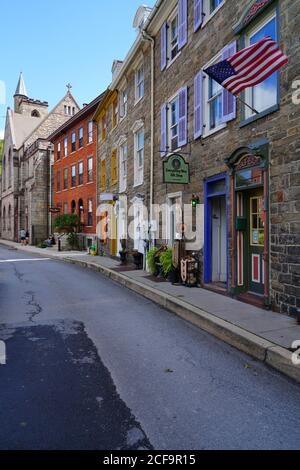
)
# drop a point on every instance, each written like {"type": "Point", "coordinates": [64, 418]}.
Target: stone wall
{"type": "Point", "coordinates": [206, 156]}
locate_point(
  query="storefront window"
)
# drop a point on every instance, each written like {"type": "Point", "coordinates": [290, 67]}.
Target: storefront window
{"type": "Point", "coordinates": [249, 177]}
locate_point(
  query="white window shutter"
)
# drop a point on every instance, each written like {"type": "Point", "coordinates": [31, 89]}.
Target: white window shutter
{"type": "Point", "coordinates": [163, 131]}
{"type": "Point", "coordinates": [198, 14]}
{"type": "Point", "coordinates": [163, 47]}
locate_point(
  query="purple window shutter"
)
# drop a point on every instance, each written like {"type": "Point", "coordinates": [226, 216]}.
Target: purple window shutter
{"type": "Point", "coordinates": [182, 23]}
{"type": "Point", "coordinates": [163, 130]}
{"type": "Point", "coordinates": [229, 100]}
{"type": "Point", "coordinates": [198, 108]}
{"type": "Point", "coordinates": [182, 117]}
{"type": "Point", "coordinates": [198, 14]}
{"type": "Point", "coordinates": [163, 47]}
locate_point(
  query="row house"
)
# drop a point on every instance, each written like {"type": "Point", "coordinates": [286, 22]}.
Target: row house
{"type": "Point", "coordinates": [124, 127]}
{"type": "Point", "coordinates": [74, 170]}
{"type": "Point", "coordinates": [244, 166]}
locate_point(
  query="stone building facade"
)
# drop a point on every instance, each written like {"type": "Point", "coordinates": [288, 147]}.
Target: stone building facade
{"type": "Point", "coordinates": [27, 153]}
{"type": "Point", "coordinates": [244, 167]}
{"type": "Point", "coordinates": [124, 141]}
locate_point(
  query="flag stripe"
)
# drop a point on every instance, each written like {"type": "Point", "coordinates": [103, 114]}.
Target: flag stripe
{"type": "Point", "coordinates": [263, 76]}
{"type": "Point", "coordinates": [252, 66]}
{"type": "Point", "coordinates": [257, 68]}
{"type": "Point", "coordinates": [261, 50]}
{"type": "Point", "coordinates": [243, 55]}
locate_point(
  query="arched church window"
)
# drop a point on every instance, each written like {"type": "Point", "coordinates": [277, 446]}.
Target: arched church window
{"type": "Point", "coordinates": [35, 113]}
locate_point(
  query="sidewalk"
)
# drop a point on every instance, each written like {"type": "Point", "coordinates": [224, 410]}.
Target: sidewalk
{"type": "Point", "coordinates": [265, 335]}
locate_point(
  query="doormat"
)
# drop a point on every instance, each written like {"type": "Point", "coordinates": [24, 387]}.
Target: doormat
{"type": "Point", "coordinates": [155, 279]}
{"type": "Point", "coordinates": [123, 269]}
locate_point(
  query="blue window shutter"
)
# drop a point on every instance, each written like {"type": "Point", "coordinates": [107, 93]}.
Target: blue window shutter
{"type": "Point", "coordinates": [182, 117]}
{"type": "Point", "coordinates": [198, 14]}
{"type": "Point", "coordinates": [229, 100]}
{"type": "Point", "coordinates": [198, 105]}
{"type": "Point", "coordinates": [182, 23]}
{"type": "Point", "coordinates": [163, 130]}
{"type": "Point", "coordinates": [163, 47]}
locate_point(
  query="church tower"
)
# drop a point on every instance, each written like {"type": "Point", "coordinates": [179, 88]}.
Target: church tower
{"type": "Point", "coordinates": [28, 106]}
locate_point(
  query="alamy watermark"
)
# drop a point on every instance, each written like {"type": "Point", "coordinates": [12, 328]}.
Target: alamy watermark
{"type": "Point", "coordinates": [296, 353]}
{"type": "Point", "coordinates": [296, 92]}
{"type": "Point", "coordinates": [2, 353]}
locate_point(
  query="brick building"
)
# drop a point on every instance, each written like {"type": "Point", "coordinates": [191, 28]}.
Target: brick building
{"type": "Point", "coordinates": [244, 167]}
{"type": "Point", "coordinates": [124, 146]}
{"type": "Point", "coordinates": [74, 169]}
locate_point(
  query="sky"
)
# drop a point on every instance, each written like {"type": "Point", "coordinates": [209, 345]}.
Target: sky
{"type": "Point", "coordinates": [54, 42]}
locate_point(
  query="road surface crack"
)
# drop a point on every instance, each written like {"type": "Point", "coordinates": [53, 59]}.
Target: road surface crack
{"type": "Point", "coordinates": [36, 308]}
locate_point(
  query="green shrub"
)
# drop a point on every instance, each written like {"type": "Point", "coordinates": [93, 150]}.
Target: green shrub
{"type": "Point", "coordinates": [67, 223]}
{"type": "Point", "coordinates": [166, 261]}
{"type": "Point", "coordinates": [42, 245]}
{"type": "Point", "coordinates": [151, 259]}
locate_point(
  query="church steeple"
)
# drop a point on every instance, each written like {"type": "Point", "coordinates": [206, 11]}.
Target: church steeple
{"type": "Point", "coordinates": [21, 87]}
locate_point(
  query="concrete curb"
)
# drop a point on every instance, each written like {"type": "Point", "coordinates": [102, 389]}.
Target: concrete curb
{"type": "Point", "coordinates": [270, 353]}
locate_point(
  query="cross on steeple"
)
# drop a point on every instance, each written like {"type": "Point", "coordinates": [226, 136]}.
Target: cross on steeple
{"type": "Point", "coordinates": [69, 86]}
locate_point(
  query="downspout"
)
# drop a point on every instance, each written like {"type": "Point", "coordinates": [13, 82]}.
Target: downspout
{"type": "Point", "coordinates": [147, 37]}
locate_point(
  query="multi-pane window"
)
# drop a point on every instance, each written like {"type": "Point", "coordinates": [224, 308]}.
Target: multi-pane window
{"type": "Point", "coordinates": [65, 207]}
{"type": "Point", "coordinates": [66, 178]}
{"type": "Point", "coordinates": [114, 167]}
{"type": "Point", "coordinates": [264, 95]}
{"type": "Point", "coordinates": [90, 131]}
{"type": "Point", "coordinates": [139, 83]}
{"type": "Point", "coordinates": [123, 103]}
{"type": "Point", "coordinates": [139, 158]}
{"type": "Point", "coordinates": [90, 169]}
{"type": "Point", "coordinates": [90, 212]}
{"type": "Point", "coordinates": [58, 151]}
{"type": "Point", "coordinates": [123, 167]}
{"type": "Point", "coordinates": [173, 37]}
{"type": "Point", "coordinates": [73, 176]}
{"type": "Point", "coordinates": [80, 173]}
{"type": "Point", "coordinates": [65, 146]}
{"type": "Point", "coordinates": [80, 135]}
{"type": "Point", "coordinates": [73, 141]}
{"type": "Point", "coordinates": [103, 175]}
{"type": "Point", "coordinates": [213, 4]}
{"type": "Point", "coordinates": [214, 103]}
{"type": "Point", "coordinates": [58, 180]}
{"type": "Point", "coordinates": [173, 118]}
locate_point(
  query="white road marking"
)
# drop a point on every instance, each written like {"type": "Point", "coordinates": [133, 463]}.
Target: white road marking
{"type": "Point", "coordinates": [20, 260]}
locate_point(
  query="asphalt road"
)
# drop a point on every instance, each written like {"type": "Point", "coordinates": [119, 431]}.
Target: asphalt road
{"type": "Point", "coordinates": [91, 365]}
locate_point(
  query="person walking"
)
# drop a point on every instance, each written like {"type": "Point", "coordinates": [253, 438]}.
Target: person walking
{"type": "Point", "coordinates": [23, 236]}
{"type": "Point", "coordinates": [27, 238]}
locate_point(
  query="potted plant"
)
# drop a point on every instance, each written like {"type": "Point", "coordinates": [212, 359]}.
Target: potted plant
{"type": "Point", "coordinates": [138, 259]}
{"type": "Point", "coordinates": [166, 260]}
{"type": "Point", "coordinates": [151, 260]}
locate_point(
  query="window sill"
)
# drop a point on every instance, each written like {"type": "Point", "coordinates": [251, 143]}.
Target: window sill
{"type": "Point", "coordinates": [214, 131]}
{"type": "Point", "coordinates": [172, 61]}
{"type": "Point", "coordinates": [261, 115]}
{"type": "Point", "coordinates": [209, 17]}
{"type": "Point", "coordinates": [90, 182]}
{"type": "Point", "coordinates": [136, 185]}
{"type": "Point", "coordinates": [138, 100]}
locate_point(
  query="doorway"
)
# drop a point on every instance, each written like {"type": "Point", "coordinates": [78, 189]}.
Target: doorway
{"type": "Point", "coordinates": [216, 231]}
{"type": "Point", "coordinates": [218, 239]}
{"type": "Point", "coordinates": [256, 241]}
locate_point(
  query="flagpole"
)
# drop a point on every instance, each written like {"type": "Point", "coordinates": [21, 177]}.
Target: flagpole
{"type": "Point", "coordinates": [246, 104]}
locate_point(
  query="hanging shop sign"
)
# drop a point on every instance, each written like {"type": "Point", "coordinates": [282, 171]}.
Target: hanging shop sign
{"type": "Point", "coordinates": [176, 170]}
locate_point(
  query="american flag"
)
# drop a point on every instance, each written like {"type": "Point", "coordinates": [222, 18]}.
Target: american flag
{"type": "Point", "coordinates": [249, 66]}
